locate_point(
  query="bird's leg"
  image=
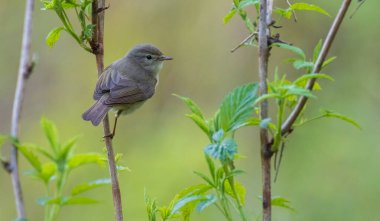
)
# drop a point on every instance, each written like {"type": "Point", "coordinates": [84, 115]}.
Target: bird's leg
{"type": "Point", "coordinates": [112, 135]}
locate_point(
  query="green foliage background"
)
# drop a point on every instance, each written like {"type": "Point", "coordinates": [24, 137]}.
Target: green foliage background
{"type": "Point", "coordinates": [329, 170]}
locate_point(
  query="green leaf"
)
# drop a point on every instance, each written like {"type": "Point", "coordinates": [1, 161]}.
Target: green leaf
{"type": "Point", "coordinates": [308, 7]}
{"type": "Point", "coordinates": [151, 207]}
{"type": "Point", "coordinates": [53, 36]}
{"type": "Point", "coordinates": [210, 199]}
{"type": "Point", "coordinates": [192, 105]}
{"type": "Point", "coordinates": [328, 61]}
{"type": "Point", "coordinates": [78, 201]}
{"type": "Point", "coordinates": [281, 202]}
{"type": "Point", "coordinates": [86, 158]}
{"type": "Point", "coordinates": [240, 190]}
{"type": "Point", "coordinates": [306, 77]}
{"type": "Point", "coordinates": [292, 48]}
{"type": "Point", "coordinates": [87, 32]}
{"type": "Point", "coordinates": [301, 64]}
{"type": "Point", "coordinates": [329, 113]}
{"type": "Point", "coordinates": [26, 151]}
{"type": "Point", "coordinates": [51, 133]}
{"type": "Point", "coordinates": [181, 203]}
{"type": "Point", "coordinates": [48, 171]}
{"type": "Point", "coordinates": [317, 50]}
{"type": "Point", "coordinates": [67, 149]}
{"type": "Point", "coordinates": [205, 178]}
{"type": "Point", "coordinates": [294, 90]}
{"type": "Point", "coordinates": [230, 14]}
{"type": "Point", "coordinates": [83, 187]}
{"type": "Point", "coordinates": [245, 3]}
{"type": "Point", "coordinates": [237, 107]}
{"type": "Point", "coordinates": [200, 122]}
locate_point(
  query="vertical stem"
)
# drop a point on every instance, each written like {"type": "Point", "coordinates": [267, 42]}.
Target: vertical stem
{"type": "Point", "coordinates": [265, 18]}
{"type": "Point", "coordinates": [23, 73]}
{"type": "Point", "coordinates": [97, 45]}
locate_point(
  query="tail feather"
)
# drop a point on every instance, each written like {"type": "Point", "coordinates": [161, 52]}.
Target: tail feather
{"type": "Point", "coordinates": [97, 112]}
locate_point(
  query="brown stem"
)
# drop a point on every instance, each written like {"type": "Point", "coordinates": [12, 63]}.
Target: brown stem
{"type": "Point", "coordinates": [266, 154]}
{"type": "Point", "coordinates": [97, 45]}
{"type": "Point", "coordinates": [287, 125]}
{"type": "Point", "coordinates": [24, 72]}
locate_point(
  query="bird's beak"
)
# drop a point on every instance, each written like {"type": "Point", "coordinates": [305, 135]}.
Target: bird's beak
{"type": "Point", "coordinates": [163, 58]}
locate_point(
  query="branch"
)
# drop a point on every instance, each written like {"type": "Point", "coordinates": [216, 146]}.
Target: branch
{"type": "Point", "coordinates": [24, 71]}
{"type": "Point", "coordinates": [287, 125]}
{"type": "Point", "coordinates": [266, 154]}
{"type": "Point", "coordinates": [97, 45]}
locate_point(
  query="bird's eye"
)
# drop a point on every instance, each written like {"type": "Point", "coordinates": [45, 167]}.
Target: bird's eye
{"type": "Point", "coordinates": [148, 57]}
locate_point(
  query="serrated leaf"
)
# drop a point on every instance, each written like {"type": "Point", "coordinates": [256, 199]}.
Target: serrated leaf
{"type": "Point", "coordinates": [281, 202]}
{"type": "Point", "coordinates": [191, 105]}
{"type": "Point", "coordinates": [292, 48]}
{"type": "Point", "coordinates": [308, 7]}
{"type": "Point", "coordinates": [86, 158]}
{"type": "Point", "coordinates": [329, 113]}
{"type": "Point", "coordinates": [237, 107]}
{"type": "Point", "coordinates": [83, 187]}
{"type": "Point", "coordinates": [53, 36]}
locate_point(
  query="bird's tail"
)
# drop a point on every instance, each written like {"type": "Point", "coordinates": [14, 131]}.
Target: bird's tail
{"type": "Point", "coordinates": [97, 112]}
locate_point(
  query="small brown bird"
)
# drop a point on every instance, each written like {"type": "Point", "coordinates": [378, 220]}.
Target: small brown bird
{"type": "Point", "coordinates": [126, 84]}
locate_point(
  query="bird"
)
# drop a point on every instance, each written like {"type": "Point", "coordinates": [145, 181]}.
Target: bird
{"type": "Point", "coordinates": [126, 84]}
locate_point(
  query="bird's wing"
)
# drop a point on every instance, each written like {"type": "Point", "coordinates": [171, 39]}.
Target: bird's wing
{"type": "Point", "coordinates": [127, 91]}
{"type": "Point", "coordinates": [103, 85]}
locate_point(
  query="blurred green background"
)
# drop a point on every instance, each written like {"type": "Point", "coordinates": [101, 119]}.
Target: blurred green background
{"type": "Point", "coordinates": [330, 170]}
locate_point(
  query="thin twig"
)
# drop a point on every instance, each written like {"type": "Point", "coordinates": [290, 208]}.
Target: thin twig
{"type": "Point", "coordinates": [24, 72]}
{"type": "Point", "coordinates": [244, 41]}
{"type": "Point", "coordinates": [293, 12]}
{"type": "Point", "coordinates": [266, 154]}
{"type": "Point", "coordinates": [287, 125]}
{"type": "Point", "coordinates": [97, 45]}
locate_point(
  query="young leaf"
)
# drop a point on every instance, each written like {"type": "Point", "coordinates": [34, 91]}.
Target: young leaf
{"type": "Point", "coordinates": [317, 50]}
{"type": "Point", "coordinates": [245, 3]}
{"type": "Point", "coordinates": [53, 36]}
{"type": "Point", "coordinates": [301, 64]}
{"type": "Point", "coordinates": [240, 190]}
{"type": "Point", "coordinates": [237, 107]}
{"type": "Point", "coordinates": [83, 187]}
{"type": "Point", "coordinates": [200, 122]}
{"type": "Point", "coordinates": [329, 113]}
{"type": "Point", "coordinates": [223, 150]}
{"type": "Point", "coordinates": [48, 171]}
{"type": "Point", "coordinates": [230, 14]}
{"type": "Point", "coordinates": [192, 105]}
{"type": "Point", "coordinates": [77, 200]}
{"type": "Point", "coordinates": [295, 90]}
{"type": "Point", "coordinates": [306, 77]}
{"type": "Point", "coordinates": [203, 204]}
{"type": "Point", "coordinates": [182, 202]}
{"type": "Point", "coordinates": [26, 151]}
{"type": "Point", "coordinates": [86, 158]}
{"type": "Point", "coordinates": [51, 133]}
{"type": "Point", "coordinates": [292, 48]}
{"type": "Point", "coordinates": [281, 202]}
{"type": "Point", "coordinates": [151, 207]}
{"type": "Point", "coordinates": [328, 61]}
{"type": "Point", "coordinates": [308, 7]}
